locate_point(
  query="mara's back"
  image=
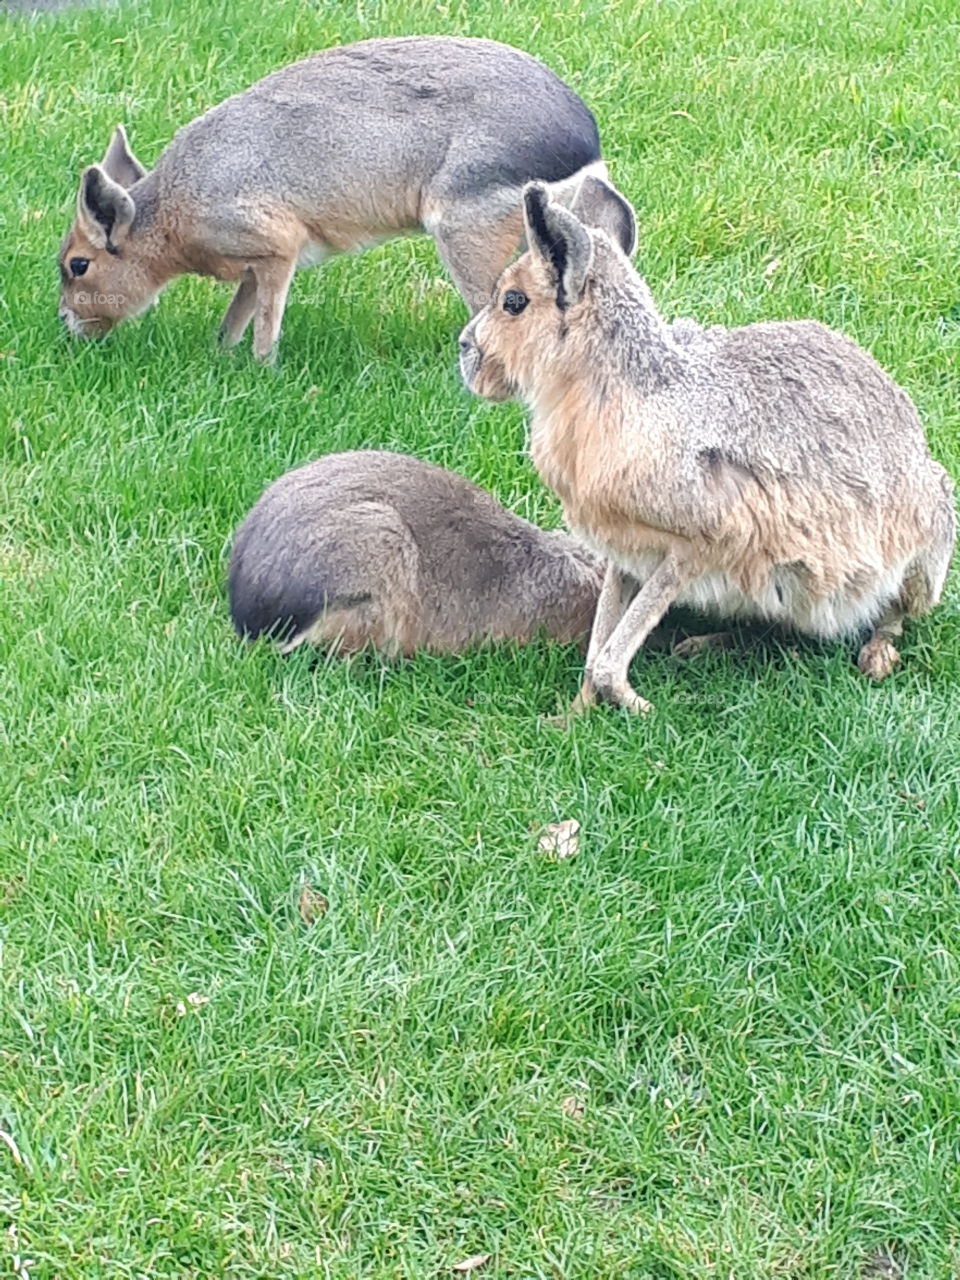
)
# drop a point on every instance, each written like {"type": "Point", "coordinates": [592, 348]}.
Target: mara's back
{"type": "Point", "coordinates": [463, 536]}
{"type": "Point", "coordinates": [808, 392]}
{"type": "Point", "coordinates": [394, 111]}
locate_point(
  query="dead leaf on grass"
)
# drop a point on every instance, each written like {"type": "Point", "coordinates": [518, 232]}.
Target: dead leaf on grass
{"type": "Point", "coordinates": [471, 1264]}
{"type": "Point", "coordinates": [561, 839]}
{"type": "Point", "coordinates": [312, 905]}
{"type": "Point", "coordinates": [573, 1108]}
{"type": "Point", "coordinates": [11, 889]}
{"type": "Point", "coordinates": [193, 1001]}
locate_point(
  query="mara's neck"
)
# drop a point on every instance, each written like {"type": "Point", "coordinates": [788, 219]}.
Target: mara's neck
{"type": "Point", "coordinates": [619, 355]}
{"type": "Point", "coordinates": [634, 351]}
{"type": "Point", "coordinates": [619, 349]}
{"type": "Point", "coordinates": [157, 239]}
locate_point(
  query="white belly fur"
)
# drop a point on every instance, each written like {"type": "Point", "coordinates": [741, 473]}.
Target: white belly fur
{"type": "Point", "coordinates": [784, 600]}
{"type": "Point", "coordinates": [312, 254]}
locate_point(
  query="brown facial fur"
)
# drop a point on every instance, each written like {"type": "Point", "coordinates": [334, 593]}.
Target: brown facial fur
{"type": "Point", "coordinates": [114, 287]}
{"type": "Point", "coordinates": [512, 349]}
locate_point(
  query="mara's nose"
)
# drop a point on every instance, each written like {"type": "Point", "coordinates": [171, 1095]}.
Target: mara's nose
{"type": "Point", "coordinates": [467, 339]}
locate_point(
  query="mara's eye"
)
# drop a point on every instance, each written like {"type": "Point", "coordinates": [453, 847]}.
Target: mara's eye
{"type": "Point", "coordinates": [514, 301]}
{"type": "Point", "coordinates": [78, 266]}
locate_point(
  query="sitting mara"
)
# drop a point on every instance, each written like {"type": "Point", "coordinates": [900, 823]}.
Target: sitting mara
{"type": "Point", "coordinates": [381, 549]}
{"type": "Point", "coordinates": [772, 471]}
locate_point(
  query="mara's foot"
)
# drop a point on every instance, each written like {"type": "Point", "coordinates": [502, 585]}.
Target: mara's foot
{"type": "Point", "coordinates": [878, 658]}
{"type": "Point", "coordinates": [584, 700]}
{"type": "Point", "coordinates": [693, 645]}
{"type": "Point", "coordinates": [618, 692]}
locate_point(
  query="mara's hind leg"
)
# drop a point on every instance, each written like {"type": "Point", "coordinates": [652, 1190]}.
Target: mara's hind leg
{"type": "Point", "coordinates": [476, 242]}
{"type": "Point", "coordinates": [240, 311]}
{"type": "Point", "coordinates": [347, 627]}
{"type": "Point", "coordinates": [375, 600]}
{"type": "Point", "coordinates": [880, 656]}
{"type": "Point", "coordinates": [693, 645]}
{"type": "Point", "coordinates": [919, 594]}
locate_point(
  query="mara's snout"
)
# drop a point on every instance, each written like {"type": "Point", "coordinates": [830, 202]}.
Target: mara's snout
{"type": "Point", "coordinates": [483, 374]}
{"type": "Point", "coordinates": [469, 356]}
{"type": "Point", "coordinates": [85, 326]}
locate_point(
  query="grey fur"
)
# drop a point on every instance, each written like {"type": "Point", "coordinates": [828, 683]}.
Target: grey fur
{"type": "Point", "coordinates": [597, 203]}
{"type": "Point", "coordinates": [772, 471]}
{"type": "Point", "coordinates": [381, 549]}
{"type": "Point", "coordinates": [337, 152]}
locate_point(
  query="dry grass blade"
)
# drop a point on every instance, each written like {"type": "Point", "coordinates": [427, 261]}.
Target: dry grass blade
{"type": "Point", "coordinates": [472, 1263]}
{"type": "Point", "coordinates": [8, 1141]}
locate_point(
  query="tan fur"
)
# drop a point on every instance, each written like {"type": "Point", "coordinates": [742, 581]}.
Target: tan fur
{"type": "Point", "coordinates": [773, 471]}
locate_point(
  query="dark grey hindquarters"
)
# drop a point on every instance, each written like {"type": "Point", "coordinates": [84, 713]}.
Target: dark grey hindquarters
{"type": "Point", "coordinates": [375, 527]}
{"type": "Point", "coordinates": [295, 554]}
{"type": "Point", "coordinates": [279, 577]}
{"type": "Point", "coordinates": [412, 115]}
{"type": "Point", "coordinates": [302, 550]}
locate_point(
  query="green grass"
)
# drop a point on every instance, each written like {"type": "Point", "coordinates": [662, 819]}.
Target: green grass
{"type": "Point", "coordinates": [748, 978]}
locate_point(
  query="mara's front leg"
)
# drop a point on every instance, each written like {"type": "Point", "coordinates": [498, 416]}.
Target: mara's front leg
{"type": "Point", "coordinates": [273, 276]}
{"type": "Point", "coordinates": [608, 674]}
{"type": "Point", "coordinates": [240, 311]}
{"type": "Point", "coordinates": [617, 591]}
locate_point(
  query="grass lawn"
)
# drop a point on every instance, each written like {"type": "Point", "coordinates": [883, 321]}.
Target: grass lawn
{"type": "Point", "coordinates": [721, 1042]}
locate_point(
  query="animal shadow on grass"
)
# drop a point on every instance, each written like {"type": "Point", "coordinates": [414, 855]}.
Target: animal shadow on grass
{"type": "Point", "coordinates": [690, 639]}
{"type": "Point", "coordinates": [519, 680]}
{"type": "Point", "coordinates": [536, 681]}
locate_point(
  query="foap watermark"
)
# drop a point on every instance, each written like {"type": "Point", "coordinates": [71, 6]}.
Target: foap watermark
{"type": "Point", "coordinates": [85, 299]}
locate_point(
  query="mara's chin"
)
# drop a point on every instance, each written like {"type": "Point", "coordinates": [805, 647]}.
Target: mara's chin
{"type": "Point", "coordinates": [86, 327]}
{"type": "Point", "coordinates": [498, 393]}
{"type": "Point", "coordinates": [482, 380]}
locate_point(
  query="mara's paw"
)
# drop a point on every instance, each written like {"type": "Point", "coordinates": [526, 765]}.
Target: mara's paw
{"type": "Point", "coordinates": [619, 694]}
{"type": "Point", "coordinates": [878, 658]}
{"type": "Point", "coordinates": [584, 700]}
{"type": "Point", "coordinates": [629, 700]}
{"type": "Point", "coordinates": [693, 645]}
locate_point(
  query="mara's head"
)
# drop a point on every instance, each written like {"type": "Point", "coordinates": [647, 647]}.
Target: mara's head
{"type": "Point", "coordinates": [543, 296]}
{"type": "Point", "coordinates": [102, 278]}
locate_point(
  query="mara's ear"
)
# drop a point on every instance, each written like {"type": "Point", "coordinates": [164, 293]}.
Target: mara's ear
{"type": "Point", "coordinates": [104, 209]}
{"type": "Point", "coordinates": [119, 162]}
{"type": "Point", "coordinates": [599, 204]}
{"type": "Point", "coordinates": [561, 242]}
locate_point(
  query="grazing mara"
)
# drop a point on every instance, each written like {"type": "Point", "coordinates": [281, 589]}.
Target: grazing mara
{"type": "Point", "coordinates": [772, 471]}
{"type": "Point", "coordinates": [338, 152]}
{"type": "Point", "coordinates": [383, 550]}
